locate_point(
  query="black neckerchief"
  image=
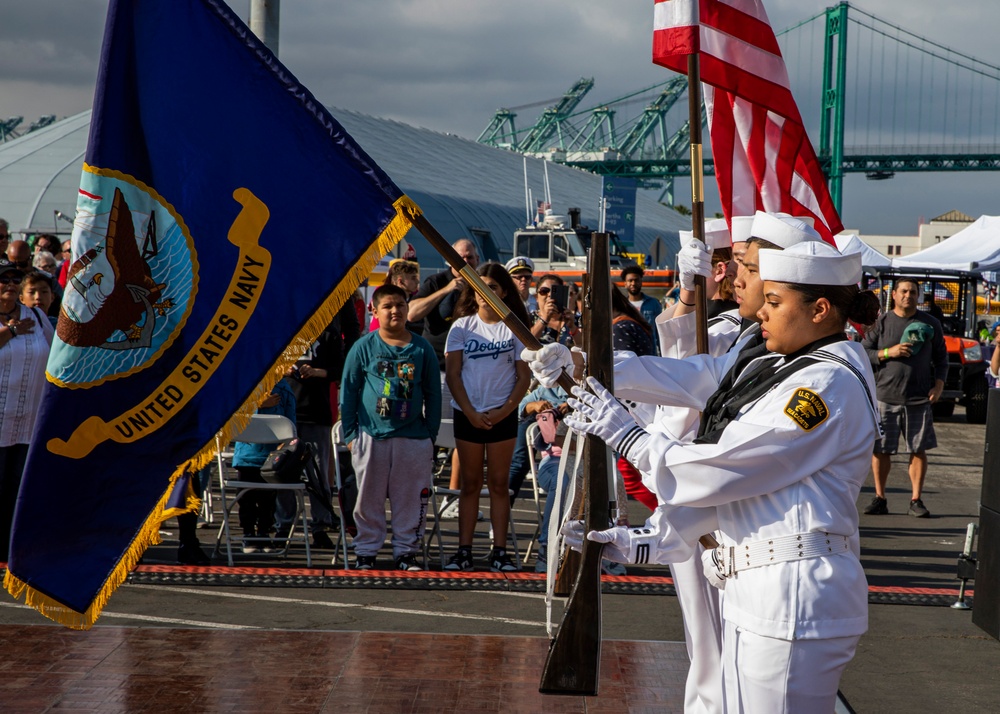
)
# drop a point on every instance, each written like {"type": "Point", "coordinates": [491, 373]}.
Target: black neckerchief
{"type": "Point", "coordinates": [738, 389]}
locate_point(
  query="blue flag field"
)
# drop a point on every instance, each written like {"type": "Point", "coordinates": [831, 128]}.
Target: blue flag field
{"type": "Point", "coordinates": [209, 173]}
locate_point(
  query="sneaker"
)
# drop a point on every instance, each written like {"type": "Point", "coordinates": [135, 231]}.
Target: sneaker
{"type": "Point", "coordinates": [322, 541]}
{"type": "Point", "coordinates": [609, 567]}
{"type": "Point", "coordinates": [878, 507]}
{"type": "Point", "coordinates": [192, 554]}
{"type": "Point", "coordinates": [462, 560]}
{"type": "Point", "coordinates": [408, 562]}
{"type": "Point", "coordinates": [917, 509]}
{"type": "Point", "coordinates": [450, 512]}
{"type": "Point", "coordinates": [364, 562]}
{"type": "Point", "coordinates": [269, 546]}
{"type": "Point", "coordinates": [500, 562]}
{"type": "Point", "coordinates": [249, 547]}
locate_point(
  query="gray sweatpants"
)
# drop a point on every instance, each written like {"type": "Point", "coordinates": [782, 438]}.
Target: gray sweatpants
{"type": "Point", "coordinates": [400, 470]}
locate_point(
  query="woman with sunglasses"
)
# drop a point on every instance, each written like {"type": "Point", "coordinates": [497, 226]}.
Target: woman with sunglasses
{"type": "Point", "coordinates": [487, 380]}
{"type": "Point", "coordinates": [25, 337]}
{"type": "Point", "coordinates": [552, 322]}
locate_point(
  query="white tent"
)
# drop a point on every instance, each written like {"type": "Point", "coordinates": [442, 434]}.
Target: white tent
{"type": "Point", "coordinates": [849, 244]}
{"type": "Point", "coordinates": [976, 247]}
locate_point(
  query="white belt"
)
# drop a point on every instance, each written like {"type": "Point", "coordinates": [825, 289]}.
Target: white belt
{"type": "Point", "coordinates": [781, 549]}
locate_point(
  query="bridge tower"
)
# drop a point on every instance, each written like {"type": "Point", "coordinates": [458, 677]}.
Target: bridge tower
{"type": "Point", "coordinates": [831, 132]}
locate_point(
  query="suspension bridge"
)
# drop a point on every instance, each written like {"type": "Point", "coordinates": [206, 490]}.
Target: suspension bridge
{"type": "Point", "coordinates": [880, 100]}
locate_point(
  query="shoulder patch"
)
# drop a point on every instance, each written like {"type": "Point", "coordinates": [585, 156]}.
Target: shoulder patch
{"type": "Point", "coordinates": [807, 409]}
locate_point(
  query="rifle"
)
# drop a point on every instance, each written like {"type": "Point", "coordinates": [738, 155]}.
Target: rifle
{"type": "Point", "coordinates": [574, 659]}
{"type": "Point", "coordinates": [520, 330]}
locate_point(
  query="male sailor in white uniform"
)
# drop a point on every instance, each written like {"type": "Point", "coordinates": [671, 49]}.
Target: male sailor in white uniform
{"type": "Point", "coordinates": [780, 458]}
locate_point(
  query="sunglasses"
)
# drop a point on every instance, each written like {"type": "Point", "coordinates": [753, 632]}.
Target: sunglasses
{"type": "Point", "coordinates": [521, 276]}
{"type": "Point", "coordinates": [543, 291]}
{"type": "Point", "coordinates": [10, 280]}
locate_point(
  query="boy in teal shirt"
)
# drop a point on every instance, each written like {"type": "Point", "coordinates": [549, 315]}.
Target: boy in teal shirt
{"type": "Point", "coordinates": [390, 411]}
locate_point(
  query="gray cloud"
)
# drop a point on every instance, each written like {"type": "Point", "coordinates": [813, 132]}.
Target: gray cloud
{"type": "Point", "coordinates": [449, 64]}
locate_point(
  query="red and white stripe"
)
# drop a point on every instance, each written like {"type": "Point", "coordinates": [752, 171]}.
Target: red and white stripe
{"type": "Point", "coordinates": [763, 157]}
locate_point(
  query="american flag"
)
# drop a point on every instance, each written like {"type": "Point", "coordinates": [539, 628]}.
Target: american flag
{"type": "Point", "coordinates": [763, 157]}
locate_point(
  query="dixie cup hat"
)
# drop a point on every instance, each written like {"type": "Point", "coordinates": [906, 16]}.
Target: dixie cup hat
{"type": "Point", "coordinates": [783, 231]}
{"type": "Point", "coordinates": [810, 263]}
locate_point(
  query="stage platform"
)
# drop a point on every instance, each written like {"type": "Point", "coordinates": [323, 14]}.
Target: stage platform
{"type": "Point", "coordinates": [116, 669]}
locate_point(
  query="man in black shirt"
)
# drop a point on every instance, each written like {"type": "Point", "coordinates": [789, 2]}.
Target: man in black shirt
{"type": "Point", "coordinates": [907, 351]}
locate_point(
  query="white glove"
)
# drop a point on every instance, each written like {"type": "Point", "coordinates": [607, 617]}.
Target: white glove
{"type": "Point", "coordinates": [616, 543]}
{"type": "Point", "coordinates": [604, 416]}
{"type": "Point", "coordinates": [625, 544]}
{"type": "Point", "coordinates": [616, 540]}
{"type": "Point", "coordinates": [548, 363]}
{"type": "Point", "coordinates": [694, 259]}
{"type": "Point", "coordinates": [572, 533]}
{"type": "Point", "coordinates": [713, 567]}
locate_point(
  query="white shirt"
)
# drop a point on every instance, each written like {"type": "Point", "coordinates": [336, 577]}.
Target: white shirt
{"type": "Point", "coordinates": [22, 378]}
{"type": "Point", "coordinates": [489, 354]}
{"type": "Point", "coordinates": [768, 476]}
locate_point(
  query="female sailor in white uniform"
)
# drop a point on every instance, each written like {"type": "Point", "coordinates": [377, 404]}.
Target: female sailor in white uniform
{"type": "Point", "coordinates": [778, 464]}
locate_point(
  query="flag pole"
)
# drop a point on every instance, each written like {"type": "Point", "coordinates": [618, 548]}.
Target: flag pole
{"type": "Point", "coordinates": [469, 274]}
{"type": "Point", "coordinates": [698, 216]}
{"type": "Point", "coordinates": [697, 194]}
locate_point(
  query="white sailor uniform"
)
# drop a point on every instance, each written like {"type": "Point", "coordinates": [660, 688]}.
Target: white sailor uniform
{"type": "Point", "coordinates": [789, 465]}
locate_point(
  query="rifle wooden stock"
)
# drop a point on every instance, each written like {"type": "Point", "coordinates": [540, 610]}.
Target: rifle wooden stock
{"type": "Point", "coordinates": [520, 330]}
{"type": "Point", "coordinates": [569, 565]}
{"type": "Point", "coordinates": [574, 659]}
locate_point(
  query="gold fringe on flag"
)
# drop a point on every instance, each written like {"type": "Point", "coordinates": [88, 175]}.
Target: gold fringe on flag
{"type": "Point", "coordinates": [149, 533]}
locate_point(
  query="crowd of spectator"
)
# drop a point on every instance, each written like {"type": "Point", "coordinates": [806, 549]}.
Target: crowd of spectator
{"type": "Point", "coordinates": [29, 303]}
{"type": "Point", "coordinates": [389, 370]}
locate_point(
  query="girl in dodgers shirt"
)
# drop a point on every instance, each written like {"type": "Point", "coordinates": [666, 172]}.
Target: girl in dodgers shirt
{"type": "Point", "coordinates": [487, 380]}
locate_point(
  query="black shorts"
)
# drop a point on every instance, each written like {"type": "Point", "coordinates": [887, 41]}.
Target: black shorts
{"type": "Point", "coordinates": [506, 429]}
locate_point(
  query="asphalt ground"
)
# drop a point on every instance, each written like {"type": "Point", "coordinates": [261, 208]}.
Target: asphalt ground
{"type": "Point", "coordinates": [919, 655]}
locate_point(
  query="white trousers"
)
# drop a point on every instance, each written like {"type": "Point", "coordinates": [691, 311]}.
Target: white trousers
{"type": "Point", "coordinates": [765, 675]}
{"type": "Point", "coordinates": [702, 615]}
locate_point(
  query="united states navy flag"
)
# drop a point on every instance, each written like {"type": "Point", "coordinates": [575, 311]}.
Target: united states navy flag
{"type": "Point", "coordinates": [207, 173]}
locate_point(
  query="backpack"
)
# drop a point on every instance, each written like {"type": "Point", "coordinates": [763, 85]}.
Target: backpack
{"type": "Point", "coordinates": [287, 463]}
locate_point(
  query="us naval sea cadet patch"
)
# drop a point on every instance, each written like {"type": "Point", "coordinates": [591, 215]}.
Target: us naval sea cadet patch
{"type": "Point", "coordinates": [807, 409]}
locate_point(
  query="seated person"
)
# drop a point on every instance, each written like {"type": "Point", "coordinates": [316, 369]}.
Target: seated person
{"type": "Point", "coordinates": [256, 508]}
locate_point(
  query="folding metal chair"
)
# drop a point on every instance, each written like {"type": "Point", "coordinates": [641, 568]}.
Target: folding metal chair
{"type": "Point", "coordinates": [338, 441]}
{"type": "Point", "coordinates": [261, 429]}
{"type": "Point", "coordinates": [536, 491]}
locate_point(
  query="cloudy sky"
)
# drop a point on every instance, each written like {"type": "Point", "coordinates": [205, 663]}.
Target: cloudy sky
{"type": "Point", "coordinates": [448, 65]}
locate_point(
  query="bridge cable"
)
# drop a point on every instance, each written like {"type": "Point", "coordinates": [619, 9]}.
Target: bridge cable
{"type": "Point", "coordinates": [895, 86]}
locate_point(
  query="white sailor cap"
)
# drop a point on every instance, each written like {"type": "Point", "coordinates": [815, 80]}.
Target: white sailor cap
{"type": "Point", "coordinates": [808, 220]}
{"type": "Point", "coordinates": [741, 228]}
{"type": "Point", "coordinates": [810, 263]}
{"type": "Point", "coordinates": [520, 264]}
{"type": "Point", "coordinates": [717, 234]}
{"type": "Point", "coordinates": [783, 231]}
